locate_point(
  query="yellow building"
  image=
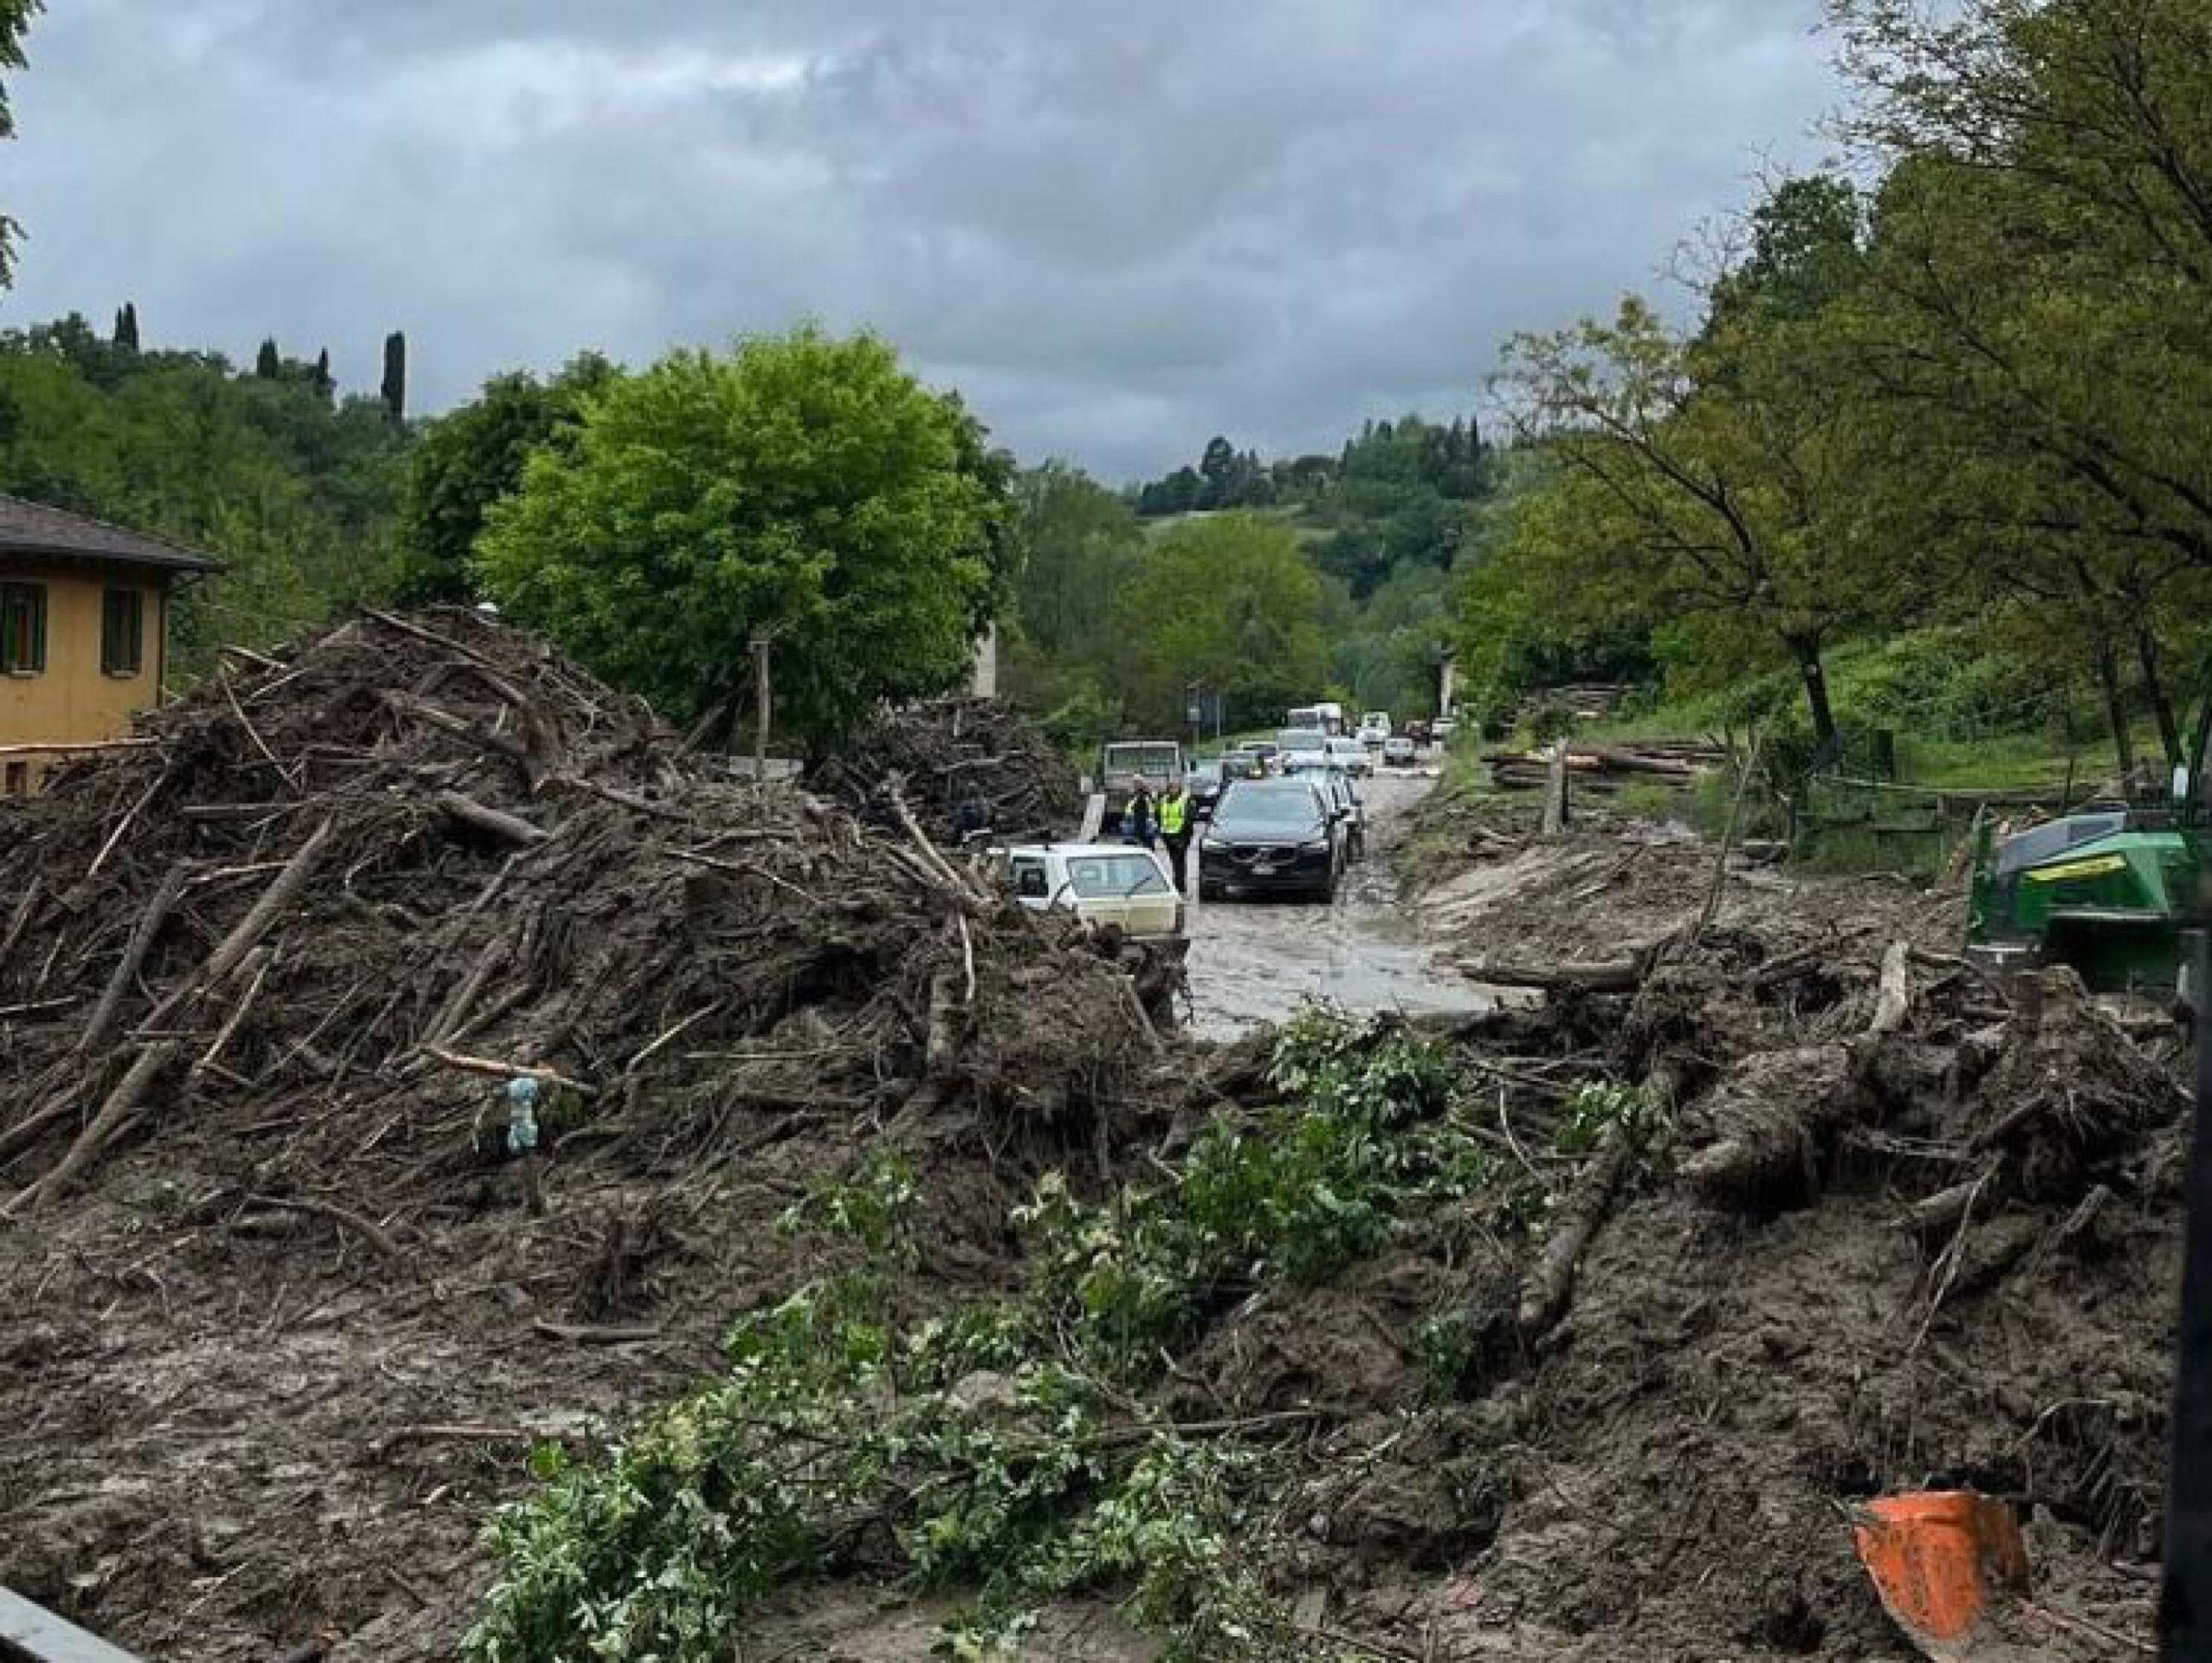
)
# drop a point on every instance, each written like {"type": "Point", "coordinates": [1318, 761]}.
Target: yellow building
{"type": "Point", "coordinates": [84, 623]}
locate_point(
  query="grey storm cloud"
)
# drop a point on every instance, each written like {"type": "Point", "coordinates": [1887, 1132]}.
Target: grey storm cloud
{"type": "Point", "coordinates": [1117, 228]}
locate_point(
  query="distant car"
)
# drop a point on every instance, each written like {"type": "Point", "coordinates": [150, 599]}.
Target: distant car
{"type": "Point", "coordinates": [1265, 749]}
{"type": "Point", "coordinates": [1350, 754]}
{"type": "Point", "coordinates": [1301, 748]}
{"type": "Point", "coordinates": [1100, 882]}
{"type": "Point", "coordinates": [1441, 729]}
{"type": "Point", "coordinates": [1418, 732]}
{"type": "Point", "coordinates": [1203, 782]}
{"type": "Point", "coordinates": [1374, 727]}
{"type": "Point", "coordinates": [1271, 836]}
{"type": "Point", "coordinates": [1399, 751]}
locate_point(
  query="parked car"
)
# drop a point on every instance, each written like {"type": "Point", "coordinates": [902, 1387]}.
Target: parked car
{"type": "Point", "coordinates": [1344, 802]}
{"type": "Point", "coordinates": [1417, 730]}
{"type": "Point", "coordinates": [1271, 836]}
{"type": "Point", "coordinates": [1301, 748]}
{"type": "Point", "coordinates": [1375, 728]}
{"type": "Point", "coordinates": [1100, 882]}
{"type": "Point", "coordinates": [1441, 729]}
{"type": "Point", "coordinates": [1203, 783]}
{"type": "Point", "coordinates": [1399, 751]}
{"type": "Point", "coordinates": [1350, 754]}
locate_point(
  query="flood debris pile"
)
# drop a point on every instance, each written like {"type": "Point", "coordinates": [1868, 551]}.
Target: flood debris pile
{"type": "Point", "coordinates": [1576, 1331]}
{"type": "Point", "coordinates": [1871, 1226]}
{"type": "Point", "coordinates": [265, 978]}
{"type": "Point", "coordinates": [418, 848]}
{"type": "Point", "coordinates": [948, 753]}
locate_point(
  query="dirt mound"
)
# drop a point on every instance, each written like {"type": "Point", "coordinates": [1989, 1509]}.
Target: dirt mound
{"type": "Point", "coordinates": [1868, 1248]}
{"type": "Point", "coordinates": [263, 979]}
{"type": "Point", "coordinates": [950, 753]}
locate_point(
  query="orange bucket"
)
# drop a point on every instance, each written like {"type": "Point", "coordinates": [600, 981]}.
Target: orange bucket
{"type": "Point", "coordinates": [1941, 1560]}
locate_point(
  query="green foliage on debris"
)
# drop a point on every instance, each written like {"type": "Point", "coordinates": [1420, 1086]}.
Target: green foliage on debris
{"type": "Point", "coordinates": [995, 1449]}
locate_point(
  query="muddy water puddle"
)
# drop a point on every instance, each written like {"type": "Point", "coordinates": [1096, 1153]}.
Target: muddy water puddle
{"type": "Point", "coordinates": [1254, 961]}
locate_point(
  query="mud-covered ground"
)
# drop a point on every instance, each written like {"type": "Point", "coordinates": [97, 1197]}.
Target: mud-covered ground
{"type": "Point", "coordinates": [1254, 961]}
{"type": "Point", "coordinates": [234, 1433]}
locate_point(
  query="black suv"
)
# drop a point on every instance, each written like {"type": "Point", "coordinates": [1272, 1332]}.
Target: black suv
{"type": "Point", "coordinates": [1271, 836]}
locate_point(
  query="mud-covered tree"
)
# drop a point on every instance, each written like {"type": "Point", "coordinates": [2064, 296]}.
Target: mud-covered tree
{"type": "Point", "coordinates": [803, 489]}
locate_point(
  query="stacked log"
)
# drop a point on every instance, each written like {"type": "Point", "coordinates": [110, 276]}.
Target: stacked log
{"type": "Point", "coordinates": [1605, 768]}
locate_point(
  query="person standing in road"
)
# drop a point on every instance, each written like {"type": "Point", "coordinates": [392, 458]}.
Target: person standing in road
{"type": "Point", "coordinates": [1175, 828]}
{"type": "Point", "coordinates": [1138, 825]}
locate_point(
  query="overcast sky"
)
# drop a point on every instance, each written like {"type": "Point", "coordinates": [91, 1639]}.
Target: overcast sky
{"type": "Point", "coordinates": [1117, 226]}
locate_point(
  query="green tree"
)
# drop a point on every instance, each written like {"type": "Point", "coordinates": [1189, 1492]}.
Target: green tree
{"type": "Point", "coordinates": [394, 388]}
{"type": "Point", "coordinates": [127, 328]}
{"type": "Point", "coordinates": [470, 458]}
{"type": "Point", "coordinates": [1078, 544]}
{"type": "Point", "coordinates": [1710, 485]}
{"type": "Point", "coordinates": [1230, 604]}
{"type": "Point", "coordinates": [804, 488]}
{"type": "Point", "coordinates": [2037, 340]}
{"type": "Point", "coordinates": [268, 364]}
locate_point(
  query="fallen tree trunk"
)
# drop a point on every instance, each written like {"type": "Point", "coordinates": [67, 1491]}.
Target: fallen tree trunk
{"type": "Point", "coordinates": [498, 823]}
{"type": "Point", "coordinates": [1600, 976]}
{"type": "Point", "coordinates": [1550, 1286]}
{"type": "Point", "coordinates": [134, 952]}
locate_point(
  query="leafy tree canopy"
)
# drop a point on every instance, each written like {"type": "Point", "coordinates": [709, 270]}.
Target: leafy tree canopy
{"type": "Point", "coordinates": [804, 486]}
{"type": "Point", "coordinates": [1229, 604]}
{"type": "Point", "coordinates": [474, 455]}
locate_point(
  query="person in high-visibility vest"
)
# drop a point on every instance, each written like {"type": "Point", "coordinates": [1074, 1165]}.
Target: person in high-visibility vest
{"type": "Point", "coordinates": [1175, 828]}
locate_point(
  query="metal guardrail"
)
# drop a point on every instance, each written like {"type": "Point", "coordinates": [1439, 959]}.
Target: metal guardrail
{"type": "Point", "coordinates": [30, 1634]}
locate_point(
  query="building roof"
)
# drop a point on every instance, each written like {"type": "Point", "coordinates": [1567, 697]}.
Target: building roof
{"type": "Point", "coordinates": [29, 527]}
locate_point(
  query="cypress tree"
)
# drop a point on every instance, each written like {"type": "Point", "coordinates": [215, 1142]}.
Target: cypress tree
{"type": "Point", "coordinates": [127, 328]}
{"type": "Point", "coordinates": [268, 364]}
{"type": "Point", "coordinates": [395, 375]}
{"type": "Point", "coordinates": [326, 384]}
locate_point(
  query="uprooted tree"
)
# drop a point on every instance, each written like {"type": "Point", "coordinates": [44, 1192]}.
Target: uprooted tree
{"type": "Point", "coordinates": [803, 489]}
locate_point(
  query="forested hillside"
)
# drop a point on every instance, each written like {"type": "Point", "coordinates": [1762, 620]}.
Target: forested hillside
{"type": "Point", "coordinates": [1354, 596]}
{"type": "Point", "coordinates": [297, 488]}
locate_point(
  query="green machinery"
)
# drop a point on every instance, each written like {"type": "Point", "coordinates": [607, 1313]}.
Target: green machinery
{"type": "Point", "coordinates": [2107, 892]}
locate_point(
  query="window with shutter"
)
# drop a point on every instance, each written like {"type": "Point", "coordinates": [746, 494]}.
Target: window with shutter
{"type": "Point", "coordinates": [22, 629]}
{"type": "Point", "coordinates": [122, 631]}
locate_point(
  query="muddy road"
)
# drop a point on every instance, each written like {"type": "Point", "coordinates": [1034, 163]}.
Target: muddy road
{"type": "Point", "coordinates": [1257, 960]}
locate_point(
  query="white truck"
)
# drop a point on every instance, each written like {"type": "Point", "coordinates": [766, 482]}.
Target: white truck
{"type": "Point", "coordinates": [1319, 718]}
